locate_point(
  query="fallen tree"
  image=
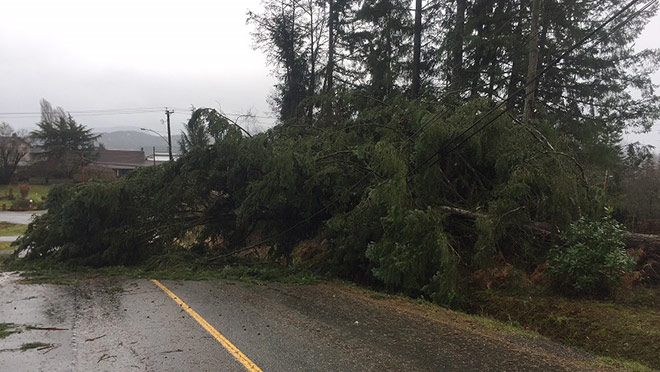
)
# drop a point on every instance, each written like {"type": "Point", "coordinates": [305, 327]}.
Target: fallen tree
{"type": "Point", "coordinates": [646, 247]}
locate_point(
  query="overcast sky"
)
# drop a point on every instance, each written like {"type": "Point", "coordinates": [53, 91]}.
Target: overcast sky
{"type": "Point", "coordinates": [118, 54]}
{"type": "Point", "coordinates": [115, 54]}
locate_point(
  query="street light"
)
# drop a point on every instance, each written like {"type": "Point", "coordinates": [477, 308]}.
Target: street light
{"type": "Point", "coordinates": [169, 144]}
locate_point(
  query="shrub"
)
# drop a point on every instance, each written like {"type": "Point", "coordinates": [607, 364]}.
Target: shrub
{"type": "Point", "coordinates": [21, 204]}
{"type": "Point", "coordinates": [592, 259]}
{"type": "Point", "coordinates": [24, 189]}
{"type": "Point", "coordinates": [415, 255]}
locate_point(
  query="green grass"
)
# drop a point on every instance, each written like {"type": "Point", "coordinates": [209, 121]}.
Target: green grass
{"type": "Point", "coordinates": [11, 229]}
{"type": "Point", "coordinates": [255, 274]}
{"type": "Point", "coordinates": [176, 266]}
{"type": "Point", "coordinates": [36, 193]}
{"type": "Point", "coordinates": [622, 365]}
{"type": "Point", "coordinates": [6, 246]}
{"type": "Point", "coordinates": [613, 330]}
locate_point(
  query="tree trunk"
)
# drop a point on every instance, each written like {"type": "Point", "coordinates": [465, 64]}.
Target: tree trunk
{"type": "Point", "coordinates": [530, 88]}
{"type": "Point", "coordinates": [417, 49]}
{"type": "Point", "coordinates": [330, 67]}
{"type": "Point", "coordinates": [312, 57]}
{"type": "Point", "coordinates": [457, 47]}
{"type": "Point", "coordinates": [650, 243]}
{"type": "Point", "coordinates": [516, 63]}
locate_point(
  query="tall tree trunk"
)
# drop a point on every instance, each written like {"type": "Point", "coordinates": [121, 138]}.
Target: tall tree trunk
{"type": "Point", "coordinates": [477, 63]}
{"type": "Point", "coordinates": [417, 49]}
{"type": "Point", "coordinates": [543, 58]}
{"type": "Point", "coordinates": [493, 56]}
{"type": "Point", "coordinates": [330, 68]}
{"type": "Point", "coordinates": [326, 110]}
{"type": "Point", "coordinates": [515, 55]}
{"type": "Point", "coordinates": [457, 47]}
{"type": "Point", "coordinates": [533, 62]}
{"type": "Point", "coordinates": [312, 56]}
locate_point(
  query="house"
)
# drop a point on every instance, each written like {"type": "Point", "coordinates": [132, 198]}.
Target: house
{"type": "Point", "coordinates": [121, 161]}
{"type": "Point", "coordinates": [111, 163]}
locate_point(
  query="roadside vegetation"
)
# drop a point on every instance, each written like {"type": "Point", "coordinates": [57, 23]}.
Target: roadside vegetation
{"type": "Point", "coordinates": [11, 229]}
{"type": "Point", "coordinates": [23, 197]}
{"type": "Point", "coordinates": [408, 176]}
{"type": "Point", "coordinates": [618, 328]}
{"type": "Point", "coordinates": [6, 247]}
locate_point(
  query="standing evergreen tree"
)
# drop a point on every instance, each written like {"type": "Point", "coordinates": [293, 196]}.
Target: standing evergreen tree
{"type": "Point", "coordinates": [472, 49]}
{"type": "Point", "coordinates": [64, 141]}
{"type": "Point", "coordinates": [380, 44]}
{"type": "Point", "coordinates": [605, 86]}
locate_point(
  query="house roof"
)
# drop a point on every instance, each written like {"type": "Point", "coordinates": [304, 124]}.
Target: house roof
{"type": "Point", "coordinates": [120, 158]}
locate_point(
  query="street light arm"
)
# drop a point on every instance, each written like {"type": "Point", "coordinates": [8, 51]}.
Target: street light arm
{"type": "Point", "coordinates": [159, 135]}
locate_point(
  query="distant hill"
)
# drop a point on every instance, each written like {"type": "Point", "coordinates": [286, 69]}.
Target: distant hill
{"type": "Point", "coordinates": [136, 140]}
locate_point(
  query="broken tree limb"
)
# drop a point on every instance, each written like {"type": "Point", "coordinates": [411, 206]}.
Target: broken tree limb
{"type": "Point", "coordinates": [540, 228]}
{"type": "Point", "coordinates": [650, 243]}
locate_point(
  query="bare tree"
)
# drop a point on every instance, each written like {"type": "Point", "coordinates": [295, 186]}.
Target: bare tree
{"type": "Point", "coordinates": [13, 148]}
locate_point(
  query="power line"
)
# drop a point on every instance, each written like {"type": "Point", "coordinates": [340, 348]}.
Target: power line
{"type": "Point", "coordinates": [90, 111]}
{"type": "Point", "coordinates": [80, 115]}
{"type": "Point", "coordinates": [112, 112]}
{"type": "Point", "coordinates": [230, 114]}
{"type": "Point", "coordinates": [519, 90]}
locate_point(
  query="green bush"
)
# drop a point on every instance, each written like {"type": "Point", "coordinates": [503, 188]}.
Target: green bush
{"type": "Point", "coordinates": [592, 259]}
{"type": "Point", "coordinates": [21, 204]}
{"type": "Point", "coordinates": [415, 255]}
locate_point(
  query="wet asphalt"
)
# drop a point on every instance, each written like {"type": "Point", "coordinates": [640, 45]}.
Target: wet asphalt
{"type": "Point", "coordinates": [111, 324]}
{"type": "Point", "coordinates": [22, 218]}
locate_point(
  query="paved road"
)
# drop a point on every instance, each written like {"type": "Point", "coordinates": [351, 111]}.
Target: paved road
{"type": "Point", "coordinates": [22, 218]}
{"type": "Point", "coordinates": [124, 325]}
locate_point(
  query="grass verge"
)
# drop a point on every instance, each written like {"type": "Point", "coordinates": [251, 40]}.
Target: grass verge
{"type": "Point", "coordinates": [36, 193]}
{"type": "Point", "coordinates": [11, 229]}
{"type": "Point", "coordinates": [165, 267]}
{"type": "Point", "coordinates": [620, 331]}
{"type": "Point", "coordinates": [621, 365]}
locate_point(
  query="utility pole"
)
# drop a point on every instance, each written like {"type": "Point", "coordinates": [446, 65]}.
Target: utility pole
{"type": "Point", "coordinates": [533, 62]}
{"type": "Point", "coordinates": [169, 133]}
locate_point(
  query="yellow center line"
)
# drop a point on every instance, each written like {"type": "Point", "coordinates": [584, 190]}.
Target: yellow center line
{"type": "Point", "coordinates": [244, 360]}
